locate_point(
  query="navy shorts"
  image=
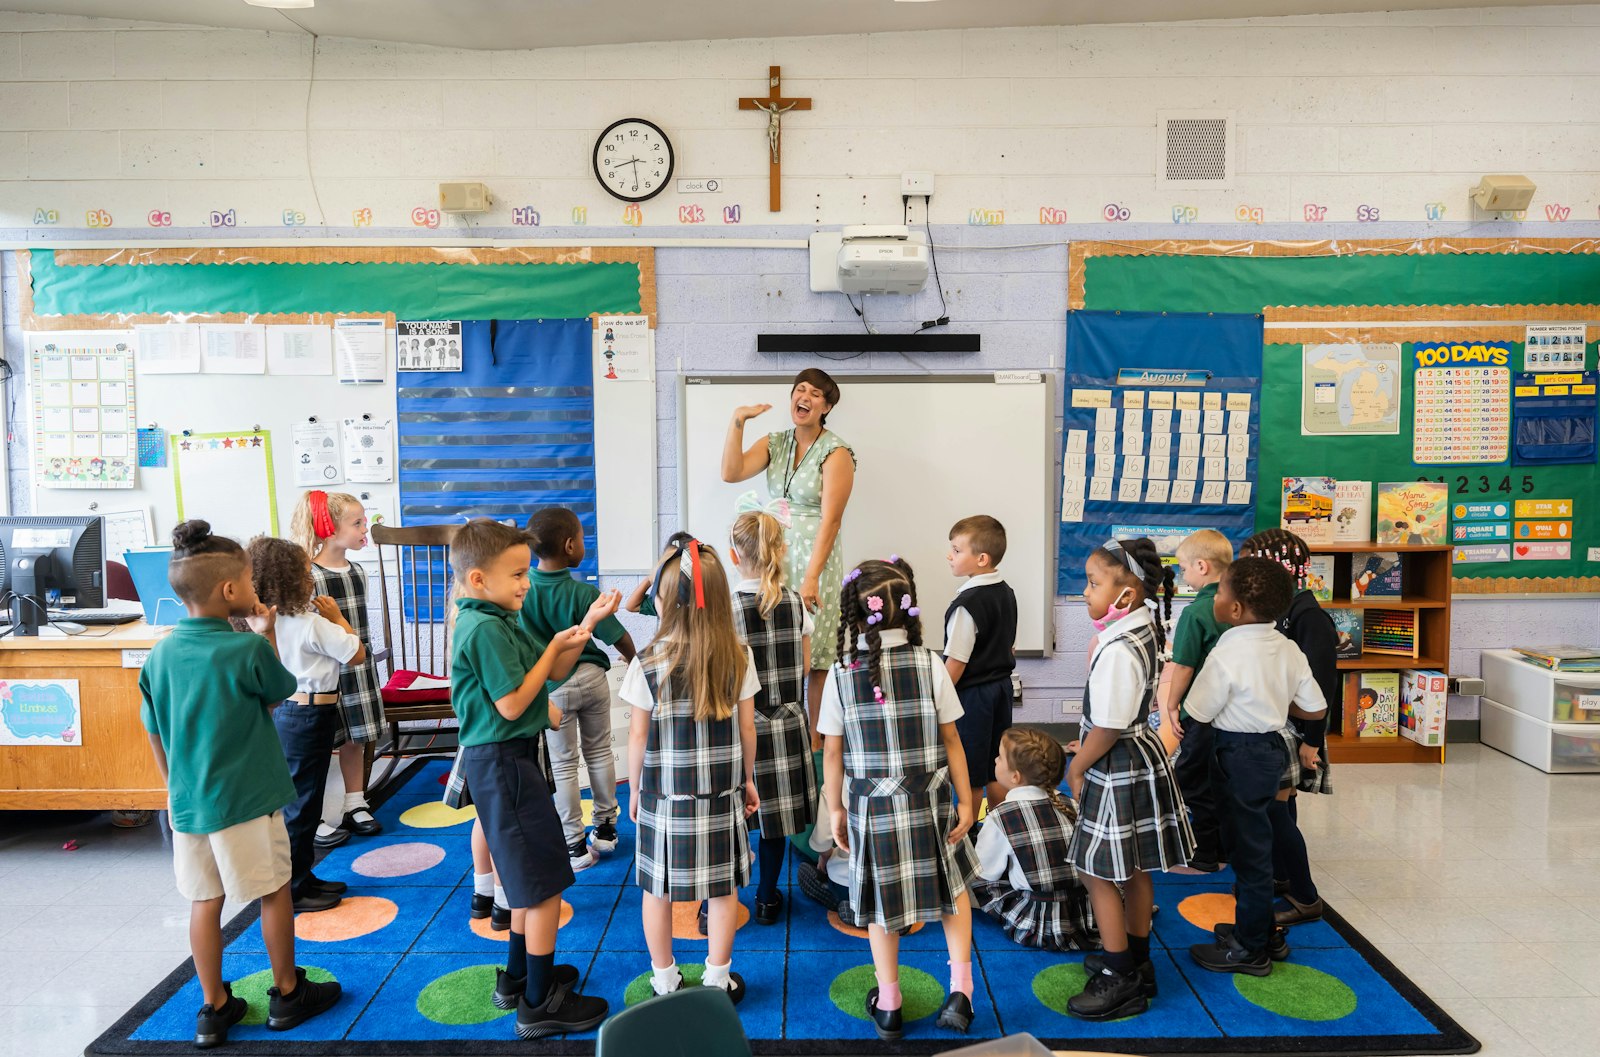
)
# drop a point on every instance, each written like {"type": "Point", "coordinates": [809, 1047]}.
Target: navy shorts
{"type": "Point", "coordinates": [512, 795]}
{"type": "Point", "coordinates": [986, 714]}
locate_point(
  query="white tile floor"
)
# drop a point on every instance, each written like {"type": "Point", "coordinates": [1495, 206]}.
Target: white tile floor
{"type": "Point", "coordinates": [1476, 879]}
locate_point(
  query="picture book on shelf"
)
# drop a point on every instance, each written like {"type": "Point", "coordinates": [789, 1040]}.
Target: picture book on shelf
{"type": "Point", "coordinates": [1352, 512]}
{"type": "Point", "coordinates": [1347, 622]}
{"type": "Point", "coordinates": [1377, 704]}
{"type": "Point", "coordinates": [1413, 513]}
{"type": "Point", "coordinates": [1308, 508]}
{"type": "Point", "coordinates": [1375, 575]}
{"type": "Point", "coordinates": [1422, 707]}
{"type": "Point", "coordinates": [1319, 577]}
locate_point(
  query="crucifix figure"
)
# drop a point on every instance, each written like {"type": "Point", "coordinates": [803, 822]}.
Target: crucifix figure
{"type": "Point", "coordinates": [774, 105]}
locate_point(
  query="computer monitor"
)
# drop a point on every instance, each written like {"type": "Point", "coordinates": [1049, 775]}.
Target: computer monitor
{"type": "Point", "coordinates": [50, 562]}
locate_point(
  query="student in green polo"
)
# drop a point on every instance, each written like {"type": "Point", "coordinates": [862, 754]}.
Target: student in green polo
{"type": "Point", "coordinates": [206, 696]}
{"type": "Point", "coordinates": [1203, 557]}
{"type": "Point", "coordinates": [498, 675]}
{"type": "Point", "coordinates": [556, 600]}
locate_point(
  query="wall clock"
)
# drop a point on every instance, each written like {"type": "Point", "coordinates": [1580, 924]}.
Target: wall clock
{"type": "Point", "coordinates": [633, 159]}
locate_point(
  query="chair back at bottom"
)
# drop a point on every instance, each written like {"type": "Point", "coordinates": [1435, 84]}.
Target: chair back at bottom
{"type": "Point", "coordinates": [693, 1022]}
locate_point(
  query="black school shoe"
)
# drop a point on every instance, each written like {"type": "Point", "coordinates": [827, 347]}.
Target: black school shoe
{"type": "Point", "coordinates": [499, 917]}
{"type": "Point", "coordinates": [211, 1025]}
{"type": "Point", "coordinates": [310, 900]}
{"type": "Point", "coordinates": [1277, 943]}
{"type": "Point", "coordinates": [815, 885]}
{"type": "Point", "coordinates": [604, 837]}
{"type": "Point", "coordinates": [886, 1022]}
{"type": "Point", "coordinates": [735, 988]}
{"type": "Point", "coordinates": [770, 913]}
{"type": "Point", "coordinates": [361, 823]}
{"type": "Point", "coordinates": [332, 839]}
{"type": "Point", "coordinates": [1108, 996]}
{"type": "Point", "coordinates": [1095, 961]}
{"type": "Point", "coordinates": [1227, 956]}
{"type": "Point", "coordinates": [306, 1000]}
{"type": "Point", "coordinates": [956, 1013]}
{"type": "Point", "coordinates": [313, 883]}
{"type": "Point", "coordinates": [481, 906]}
{"type": "Point", "coordinates": [564, 1011]}
{"type": "Point", "coordinates": [508, 988]}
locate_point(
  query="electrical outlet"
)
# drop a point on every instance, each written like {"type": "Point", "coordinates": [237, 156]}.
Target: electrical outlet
{"type": "Point", "coordinates": [916, 183]}
{"type": "Point", "coordinates": [1072, 706]}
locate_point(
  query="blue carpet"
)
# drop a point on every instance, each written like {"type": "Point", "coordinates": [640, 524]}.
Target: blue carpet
{"type": "Point", "coordinates": [416, 972]}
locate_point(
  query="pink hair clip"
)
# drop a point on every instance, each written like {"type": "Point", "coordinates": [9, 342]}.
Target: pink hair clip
{"type": "Point", "coordinates": [877, 694]}
{"type": "Point", "coordinates": [874, 603]}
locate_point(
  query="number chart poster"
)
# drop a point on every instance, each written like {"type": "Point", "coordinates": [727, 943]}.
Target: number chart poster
{"type": "Point", "coordinates": [1463, 403]}
{"type": "Point", "coordinates": [1160, 429]}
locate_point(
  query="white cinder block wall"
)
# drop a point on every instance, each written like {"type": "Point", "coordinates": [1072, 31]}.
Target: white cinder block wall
{"type": "Point", "coordinates": [120, 130]}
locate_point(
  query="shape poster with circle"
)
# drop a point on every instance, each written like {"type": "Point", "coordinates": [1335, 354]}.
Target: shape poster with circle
{"type": "Point", "coordinates": [83, 409]}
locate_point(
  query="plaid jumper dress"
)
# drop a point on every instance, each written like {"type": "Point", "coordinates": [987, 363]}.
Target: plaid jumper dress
{"type": "Point", "coordinates": [785, 779]}
{"type": "Point", "coordinates": [1131, 816]}
{"type": "Point", "coordinates": [360, 700]}
{"type": "Point", "coordinates": [692, 842]}
{"type": "Point", "coordinates": [1055, 915]}
{"type": "Point", "coordinates": [898, 795]}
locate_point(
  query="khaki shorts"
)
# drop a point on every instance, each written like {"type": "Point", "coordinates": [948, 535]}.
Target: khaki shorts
{"type": "Point", "coordinates": [243, 862]}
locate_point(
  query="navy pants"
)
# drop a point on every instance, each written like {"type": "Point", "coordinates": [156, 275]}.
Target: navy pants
{"type": "Point", "coordinates": [1200, 782]}
{"type": "Point", "coordinates": [1251, 765]}
{"type": "Point", "coordinates": [307, 733]}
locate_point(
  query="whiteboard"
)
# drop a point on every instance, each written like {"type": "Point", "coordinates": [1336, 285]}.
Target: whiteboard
{"type": "Point", "coordinates": [931, 449]}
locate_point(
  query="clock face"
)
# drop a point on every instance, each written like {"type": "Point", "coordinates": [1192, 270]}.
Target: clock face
{"type": "Point", "coordinates": [633, 160]}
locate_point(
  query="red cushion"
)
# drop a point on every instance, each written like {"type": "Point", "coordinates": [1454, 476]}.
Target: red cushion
{"type": "Point", "coordinates": [397, 690]}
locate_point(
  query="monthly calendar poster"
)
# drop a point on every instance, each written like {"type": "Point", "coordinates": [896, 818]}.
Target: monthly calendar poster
{"type": "Point", "coordinates": [83, 409]}
{"type": "Point", "coordinates": [1462, 402]}
{"type": "Point", "coordinates": [1160, 428]}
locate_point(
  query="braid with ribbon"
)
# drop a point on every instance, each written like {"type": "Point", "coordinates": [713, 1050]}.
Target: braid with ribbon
{"type": "Point", "coordinates": [1283, 547]}
{"type": "Point", "coordinates": [878, 596]}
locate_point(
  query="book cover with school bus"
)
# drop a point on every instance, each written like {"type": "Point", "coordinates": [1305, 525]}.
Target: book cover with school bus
{"type": "Point", "coordinates": [1413, 513]}
{"type": "Point", "coordinates": [1308, 508]}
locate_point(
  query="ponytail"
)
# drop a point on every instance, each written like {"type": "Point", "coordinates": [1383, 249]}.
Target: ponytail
{"type": "Point", "coordinates": [758, 539]}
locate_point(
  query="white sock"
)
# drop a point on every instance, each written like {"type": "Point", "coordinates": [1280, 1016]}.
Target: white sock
{"type": "Point", "coordinates": [499, 893]}
{"type": "Point", "coordinates": [483, 884]}
{"type": "Point", "coordinates": [355, 801]}
{"type": "Point", "coordinates": [665, 981]}
{"type": "Point", "coordinates": [718, 976]}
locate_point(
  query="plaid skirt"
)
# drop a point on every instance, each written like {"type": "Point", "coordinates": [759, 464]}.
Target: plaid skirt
{"type": "Point", "coordinates": [785, 779]}
{"type": "Point", "coordinates": [361, 703]}
{"type": "Point", "coordinates": [1296, 777]}
{"type": "Point", "coordinates": [903, 868]}
{"type": "Point", "coordinates": [1132, 816]}
{"type": "Point", "coordinates": [456, 793]}
{"type": "Point", "coordinates": [692, 848]}
{"type": "Point", "coordinates": [1051, 921]}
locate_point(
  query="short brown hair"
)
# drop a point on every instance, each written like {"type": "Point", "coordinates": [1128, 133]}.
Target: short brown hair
{"type": "Point", "coordinates": [201, 560]}
{"type": "Point", "coordinates": [479, 542]}
{"type": "Point", "coordinates": [985, 534]}
{"type": "Point", "coordinates": [1207, 544]}
{"type": "Point", "coordinates": [816, 376]}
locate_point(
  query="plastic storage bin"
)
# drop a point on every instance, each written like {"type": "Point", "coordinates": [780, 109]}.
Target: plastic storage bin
{"type": "Point", "coordinates": [1554, 697]}
{"type": "Point", "coordinates": [1554, 748]}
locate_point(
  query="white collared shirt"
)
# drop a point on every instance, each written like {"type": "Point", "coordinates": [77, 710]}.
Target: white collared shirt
{"type": "Point", "coordinates": [1117, 681]}
{"type": "Point", "coordinates": [995, 857]}
{"type": "Point", "coordinates": [751, 586]}
{"type": "Point", "coordinates": [314, 649]}
{"type": "Point", "coordinates": [830, 718]}
{"type": "Point", "coordinates": [635, 689]}
{"type": "Point", "coordinates": [1249, 680]}
{"type": "Point", "coordinates": [961, 632]}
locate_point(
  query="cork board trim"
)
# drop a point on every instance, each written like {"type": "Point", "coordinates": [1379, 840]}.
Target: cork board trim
{"type": "Point", "coordinates": [1342, 323]}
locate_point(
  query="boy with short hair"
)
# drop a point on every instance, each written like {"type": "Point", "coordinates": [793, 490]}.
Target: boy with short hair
{"type": "Point", "coordinates": [979, 647]}
{"type": "Point", "coordinates": [1203, 558]}
{"type": "Point", "coordinates": [556, 601]}
{"type": "Point", "coordinates": [1249, 684]}
{"type": "Point", "coordinates": [498, 693]}
{"type": "Point", "coordinates": [206, 694]}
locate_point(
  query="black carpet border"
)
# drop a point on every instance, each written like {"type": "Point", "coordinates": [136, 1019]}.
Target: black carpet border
{"type": "Point", "coordinates": [116, 1041]}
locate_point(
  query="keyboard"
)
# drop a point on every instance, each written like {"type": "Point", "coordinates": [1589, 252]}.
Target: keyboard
{"type": "Point", "coordinates": [97, 617]}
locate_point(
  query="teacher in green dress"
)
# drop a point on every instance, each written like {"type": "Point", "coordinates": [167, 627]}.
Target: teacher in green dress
{"type": "Point", "coordinates": [804, 468]}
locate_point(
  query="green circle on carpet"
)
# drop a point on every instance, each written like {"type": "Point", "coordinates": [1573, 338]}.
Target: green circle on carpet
{"type": "Point", "coordinates": [1298, 991]}
{"type": "Point", "coordinates": [1055, 985]}
{"type": "Point", "coordinates": [461, 997]}
{"type": "Point", "coordinates": [640, 988]}
{"type": "Point", "coordinates": [253, 989]}
{"type": "Point", "coordinates": [920, 994]}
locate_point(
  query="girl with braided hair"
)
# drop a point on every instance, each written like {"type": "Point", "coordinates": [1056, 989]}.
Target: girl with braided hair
{"type": "Point", "coordinates": [895, 779]}
{"type": "Point", "coordinates": [1310, 628]}
{"type": "Point", "coordinates": [1027, 882]}
{"type": "Point", "coordinates": [1132, 819]}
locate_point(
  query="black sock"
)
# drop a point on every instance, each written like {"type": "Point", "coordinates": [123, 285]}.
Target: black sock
{"type": "Point", "coordinates": [769, 858]}
{"type": "Point", "coordinates": [1121, 962]}
{"type": "Point", "coordinates": [516, 954]}
{"type": "Point", "coordinates": [1289, 844]}
{"type": "Point", "coordinates": [541, 974]}
{"type": "Point", "coordinates": [1139, 948]}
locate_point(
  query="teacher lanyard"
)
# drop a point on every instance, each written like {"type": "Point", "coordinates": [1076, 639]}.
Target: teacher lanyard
{"type": "Point", "coordinates": [794, 468]}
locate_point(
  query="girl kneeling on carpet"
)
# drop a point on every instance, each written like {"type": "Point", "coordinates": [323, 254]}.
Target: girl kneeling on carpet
{"type": "Point", "coordinates": [1027, 882]}
{"type": "Point", "coordinates": [895, 779]}
{"type": "Point", "coordinates": [691, 753]}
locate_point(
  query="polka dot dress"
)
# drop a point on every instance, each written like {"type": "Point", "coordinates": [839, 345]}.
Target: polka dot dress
{"type": "Point", "coordinates": [805, 511]}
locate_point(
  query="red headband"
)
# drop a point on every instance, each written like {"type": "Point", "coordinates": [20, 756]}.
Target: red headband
{"type": "Point", "coordinates": [699, 584]}
{"type": "Point", "coordinates": [321, 520]}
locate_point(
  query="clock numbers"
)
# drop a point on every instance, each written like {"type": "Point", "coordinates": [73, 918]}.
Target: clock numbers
{"type": "Point", "coordinates": [633, 160]}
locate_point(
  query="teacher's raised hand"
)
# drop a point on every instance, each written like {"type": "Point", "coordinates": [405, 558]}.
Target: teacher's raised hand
{"type": "Point", "coordinates": [741, 415]}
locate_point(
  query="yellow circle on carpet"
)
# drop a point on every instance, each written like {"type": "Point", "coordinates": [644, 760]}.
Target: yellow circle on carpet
{"type": "Point", "coordinates": [354, 916]}
{"type": "Point", "coordinates": [435, 814]}
{"type": "Point", "coordinates": [588, 811]}
{"type": "Point", "coordinates": [860, 934]}
{"type": "Point", "coordinates": [1207, 910]}
{"type": "Point", "coordinates": [480, 926]}
{"type": "Point", "coordinates": [686, 921]}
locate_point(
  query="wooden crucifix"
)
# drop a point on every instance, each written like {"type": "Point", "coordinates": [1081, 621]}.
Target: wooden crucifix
{"type": "Point", "coordinates": [774, 105]}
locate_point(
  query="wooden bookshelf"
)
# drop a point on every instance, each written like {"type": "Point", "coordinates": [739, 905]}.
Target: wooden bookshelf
{"type": "Point", "coordinates": [1425, 591]}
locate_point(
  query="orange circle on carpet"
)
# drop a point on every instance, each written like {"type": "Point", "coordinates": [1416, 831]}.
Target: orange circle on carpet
{"type": "Point", "coordinates": [860, 934]}
{"type": "Point", "coordinates": [480, 926]}
{"type": "Point", "coordinates": [686, 921]}
{"type": "Point", "coordinates": [354, 916]}
{"type": "Point", "coordinates": [1207, 910]}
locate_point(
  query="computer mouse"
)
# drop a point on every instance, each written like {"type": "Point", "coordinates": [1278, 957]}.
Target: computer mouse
{"type": "Point", "coordinates": [67, 627]}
